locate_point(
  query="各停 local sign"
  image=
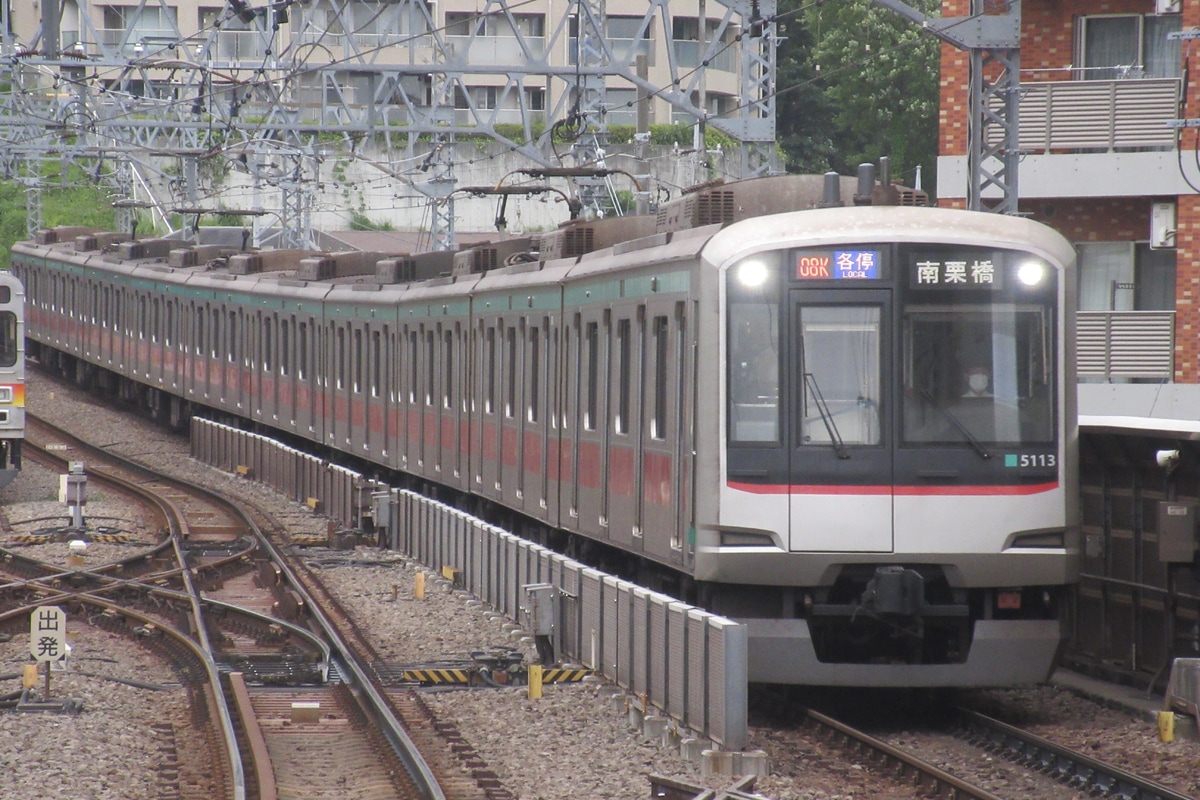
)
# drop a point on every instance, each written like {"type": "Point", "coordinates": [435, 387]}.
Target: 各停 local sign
{"type": "Point", "coordinates": [48, 633]}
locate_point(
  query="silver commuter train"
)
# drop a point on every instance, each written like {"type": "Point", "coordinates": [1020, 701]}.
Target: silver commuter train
{"type": "Point", "coordinates": [852, 428]}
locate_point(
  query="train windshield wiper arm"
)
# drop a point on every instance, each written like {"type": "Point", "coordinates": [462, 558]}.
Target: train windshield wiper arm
{"type": "Point", "coordinates": [957, 423]}
{"type": "Point", "coordinates": [835, 436]}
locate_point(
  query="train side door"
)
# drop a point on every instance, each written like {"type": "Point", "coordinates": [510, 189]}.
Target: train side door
{"type": "Point", "coordinates": [840, 454]}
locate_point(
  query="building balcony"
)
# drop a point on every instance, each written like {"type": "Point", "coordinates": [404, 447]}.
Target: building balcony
{"type": "Point", "coordinates": [1118, 346]}
{"type": "Point", "coordinates": [1085, 138]}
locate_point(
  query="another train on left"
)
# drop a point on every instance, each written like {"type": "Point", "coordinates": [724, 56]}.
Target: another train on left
{"type": "Point", "coordinates": [12, 376]}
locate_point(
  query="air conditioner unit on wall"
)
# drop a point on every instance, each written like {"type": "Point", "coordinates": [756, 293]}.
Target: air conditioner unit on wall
{"type": "Point", "coordinates": [1168, 6]}
{"type": "Point", "coordinates": [1162, 225]}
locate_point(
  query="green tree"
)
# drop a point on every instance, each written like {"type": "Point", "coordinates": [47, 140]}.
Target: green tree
{"type": "Point", "coordinates": [859, 81]}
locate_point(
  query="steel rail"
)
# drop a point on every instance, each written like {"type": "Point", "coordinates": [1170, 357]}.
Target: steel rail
{"type": "Point", "coordinates": [1068, 766]}
{"type": "Point", "coordinates": [922, 772]}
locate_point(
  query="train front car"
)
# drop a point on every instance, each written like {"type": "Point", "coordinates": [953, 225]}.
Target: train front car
{"type": "Point", "coordinates": [12, 376]}
{"type": "Point", "coordinates": [895, 460]}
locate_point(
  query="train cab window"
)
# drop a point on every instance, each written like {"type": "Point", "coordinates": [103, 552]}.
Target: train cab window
{"type": "Point", "coordinates": [840, 366]}
{"type": "Point", "coordinates": [977, 357]}
{"type": "Point", "coordinates": [8, 338]}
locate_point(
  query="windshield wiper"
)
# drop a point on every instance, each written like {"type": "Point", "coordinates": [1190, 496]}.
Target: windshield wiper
{"type": "Point", "coordinates": [957, 423]}
{"type": "Point", "coordinates": [835, 436]}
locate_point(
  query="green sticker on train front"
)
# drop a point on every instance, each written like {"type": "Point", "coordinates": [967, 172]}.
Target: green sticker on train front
{"type": "Point", "coordinates": [1010, 459]}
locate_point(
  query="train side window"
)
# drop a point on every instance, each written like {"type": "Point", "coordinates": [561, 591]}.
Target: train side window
{"type": "Point", "coordinates": [753, 375]}
{"type": "Point", "coordinates": [412, 367]}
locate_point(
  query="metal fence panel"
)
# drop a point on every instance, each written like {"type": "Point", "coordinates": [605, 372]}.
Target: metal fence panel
{"type": "Point", "coordinates": [727, 682]}
{"type": "Point", "coordinates": [609, 628]}
{"type": "Point", "coordinates": [697, 647]}
{"type": "Point", "coordinates": [591, 614]}
{"type": "Point", "coordinates": [677, 661]}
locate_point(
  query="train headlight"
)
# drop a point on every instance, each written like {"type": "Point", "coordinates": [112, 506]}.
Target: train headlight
{"type": "Point", "coordinates": [752, 273]}
{"type": "Point", "coordinates": [1031, 273]}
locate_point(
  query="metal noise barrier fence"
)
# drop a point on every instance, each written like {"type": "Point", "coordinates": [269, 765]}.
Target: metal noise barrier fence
{"type": "Point", "coordinates": [690, 664]}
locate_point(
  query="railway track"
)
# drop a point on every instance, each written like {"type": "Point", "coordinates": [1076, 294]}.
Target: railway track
{"type": "Point", "coordinates": [210, 594]}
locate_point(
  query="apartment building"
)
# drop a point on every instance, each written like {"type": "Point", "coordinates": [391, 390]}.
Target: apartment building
{"type": "Point", "coordinates": [507, 62]}
{"type": "Point", "coordinates": [1103, 160]}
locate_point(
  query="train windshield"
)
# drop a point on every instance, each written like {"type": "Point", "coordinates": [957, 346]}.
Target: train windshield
{"type": "Point", "coordinates": [977, 365]}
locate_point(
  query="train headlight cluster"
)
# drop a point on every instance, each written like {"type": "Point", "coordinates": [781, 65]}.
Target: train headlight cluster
{"type": "Point", "coordinates": [1031, 273]}
{"type": "Point", "coordinates": [752, 273]}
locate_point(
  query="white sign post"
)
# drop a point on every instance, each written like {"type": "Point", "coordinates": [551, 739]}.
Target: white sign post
{"type": "Point", "coordinates": [48, 637]}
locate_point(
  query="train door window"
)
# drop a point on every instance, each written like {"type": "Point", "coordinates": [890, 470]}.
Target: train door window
{"type": "Point", "coordinates": [624, 377]}
{"type": "Point", "coordinates": [357, 365]}
{"type": "Point", "coordinates": [142, 317]}
{"type": "Point", "coordinates": [302, 351]}
{"type": "Point", "coordinates": [285, 347]}
{"type": "Point", "coordinates": [155, 320]}
{"type": "Point", "coordinates": [448, 369]}
{"type": "Point", "coordinates": [753, 371]}
{"type": "Point", "coordinates": [198, 344]}
{"type": "Point", "coordinates": [169, 330]}
{"type": "Point", "coordinates": [510, 372]}
{"type": "Point", "coordinates": [660, 333]}
{"type": "Point", "coordinates": [840, 366]}
{"type": "Point", "coordinates": [376, 363]}
{"type": "Point", "coordinates": [535, 374]}
{"type": "Point", "coordinates": [490, 385]}
{"type": "Point", "coordinates": [340, 366]}
{"type": "Point", "coordinates": [430, 367]}
{"type": "Point", "coordinates": [215, 350]}
{"type": "Point", "coordinates": [591, 344]}
{"type": "Point", "coordinates": [231, 338]}
{"type": "Point", "coordinates": [267, 344]}
{"type": "Point", "coordinates": [412, 367]}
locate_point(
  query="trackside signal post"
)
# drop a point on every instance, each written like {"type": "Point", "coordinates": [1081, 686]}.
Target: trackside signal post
{"type": "Point", "coordinates": [48, 637]}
